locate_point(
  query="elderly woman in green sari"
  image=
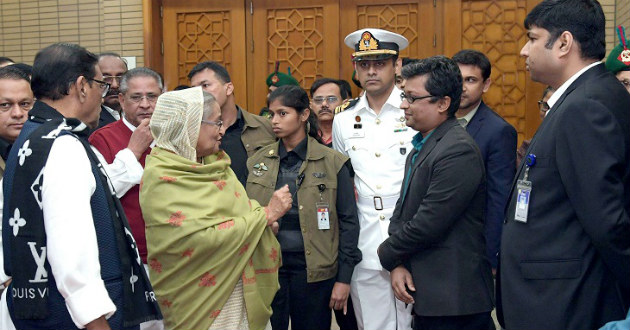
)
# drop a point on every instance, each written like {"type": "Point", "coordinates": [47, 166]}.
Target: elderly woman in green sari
{"type": "Point", "coordinates": [213, 258]}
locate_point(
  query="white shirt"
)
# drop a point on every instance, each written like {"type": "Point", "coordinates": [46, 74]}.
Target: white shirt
{"type": "Point", "coordinates": [112, 112]}
{"type": "Point", "coordinates": [469, 116]}
{"type": "Point", "coordinates": [76, 268]}
{"type": "Point", "coordinates": [563, 88]}
{"type": "Point", "coordinates": [377, 148]}
{"type": "Point", "coordinates": [133, 129]}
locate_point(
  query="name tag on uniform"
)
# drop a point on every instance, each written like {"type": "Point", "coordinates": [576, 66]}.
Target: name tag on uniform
{"type": "Point", "coordinates": [524, 191]}
{"type": "Point", "coordinates": [323, 219]}
{"type": "Point", "coordinates": [357, 133]}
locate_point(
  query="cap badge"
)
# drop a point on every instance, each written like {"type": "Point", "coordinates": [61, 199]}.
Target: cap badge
{"type": "Point", "coordinates": [368, 42]}
{"type": "Point", "coordinates": [625, 56]}
{"type": "Point", "coordinates": [275, 79]}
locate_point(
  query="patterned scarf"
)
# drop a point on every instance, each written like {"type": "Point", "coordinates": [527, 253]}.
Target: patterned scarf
{"type": "Point", "coordinates": [29, 266]}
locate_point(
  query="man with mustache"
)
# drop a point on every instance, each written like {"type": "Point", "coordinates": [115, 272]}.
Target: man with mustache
{"type": "Point", "coordinates": [326, 95]}
{"type": "Point", "coordinates": [16, 99]}
{"type": "Point", "coordinates": [113, 67]}
{"type": "Point", "coordinates": [371, 130]}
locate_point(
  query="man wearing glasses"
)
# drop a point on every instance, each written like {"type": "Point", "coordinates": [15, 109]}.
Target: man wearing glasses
{"type": "Point", "coordinates": [130, 139]}
{"type": "Point", "coordinates": [372, 132]}
{"type": "Point", "coordinates": [326, 96]}
{"type": "Point", "coordinates": [113, 67]}
{"type": "Point", "coordinates": [436, 248]}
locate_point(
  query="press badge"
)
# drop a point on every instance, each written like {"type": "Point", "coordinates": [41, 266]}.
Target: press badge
{"type": "Point", "coordinates": [524, 189]}
{"type": "Point", "coordinates": [323, 220]}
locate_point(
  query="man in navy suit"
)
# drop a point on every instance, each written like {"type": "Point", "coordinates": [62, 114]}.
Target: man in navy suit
{"type": "Point", "coordinates": [565, 249]}
{"type": "Point", "coordinates": [496, 140]}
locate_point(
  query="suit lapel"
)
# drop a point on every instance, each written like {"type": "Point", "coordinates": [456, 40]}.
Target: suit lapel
{"type": "Point", "coordinates": [477, 120]}
{"type": "Point", "coordinates": [428, 146]}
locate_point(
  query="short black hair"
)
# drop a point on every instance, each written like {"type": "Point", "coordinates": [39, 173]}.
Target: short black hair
{"type": "Point", "coordinates": [323, 81]}
{"type": "Point", "coordinates": [444, 79]}
{"type": "Point", "coordinates": [584, 19]}
{"type": "Point", "coordinates": [181, 87]}
{"type": "Point", "coordinates": [476, 58]}
{"type": "Point", "coordinates": [27, 69]}
{"type": "Point", "coordinates": [219, 70]}
{"type": "Point", "coordinates": [408, 60]}
{"type": "Point", "coordinates": [345, 88]}
{"type": "Point", "coordinates": [6, 60]}
{"type": "Point", "coordinates": [13, 73]}
{"type": "Point", "coordinates": [58, 66]}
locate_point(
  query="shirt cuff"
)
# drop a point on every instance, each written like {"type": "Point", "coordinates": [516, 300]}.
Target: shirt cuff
{"type": "Point", "coordinates": [89, 303]}
{"type": "Point", "coordinates": [344, 273]}
{"type": "Point", "coordinates": [134, 168]}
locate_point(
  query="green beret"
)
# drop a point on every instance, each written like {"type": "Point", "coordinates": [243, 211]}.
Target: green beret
{"type": "Point", "coordinates": [619, 57]}
{"type": "Point", "coordinates": [280, 79]}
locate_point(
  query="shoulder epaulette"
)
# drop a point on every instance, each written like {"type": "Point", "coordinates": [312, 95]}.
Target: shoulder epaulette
{"type": "Point", "coordinates": [346, 105]}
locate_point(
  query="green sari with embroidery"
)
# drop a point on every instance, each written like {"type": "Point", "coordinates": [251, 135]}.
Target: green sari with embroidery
{"type": "Point", "coordinates": [203, 235]}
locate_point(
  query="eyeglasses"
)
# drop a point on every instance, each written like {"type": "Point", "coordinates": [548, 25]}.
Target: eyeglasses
{"type": "Point", "coordinates": [110, 79]}
{"type": "Point", "coordinates": [137, 98]}
{"type": "Point", "coordinates": [103, 85]}
{"type": "Point", "coordinates": [320, 99]}
{"type": "Point", "coordinates": [543, 106]}
{"type": "Point", "coordinates": [218, 123]}
{"type": "Point", "coordinates": [411, 99]}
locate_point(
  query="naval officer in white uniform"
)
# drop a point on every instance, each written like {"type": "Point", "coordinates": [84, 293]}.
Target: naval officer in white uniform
{"type": "Point", "coordinates": [371, 131]}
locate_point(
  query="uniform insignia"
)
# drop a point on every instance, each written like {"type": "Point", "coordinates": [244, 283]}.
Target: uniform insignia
{"type": "Point", "coordinates": [319, 175]}
{"type": "Point", "coordinates": [368, 42]}
{"type": "Point", "coordinates": [259, 168]}
{"type": "Point", "coordinates": [403, 151]}
{"type": "Point", "coordinates": [625, 56]}
{"type": "Point", "coordinates": [346, 105]}
{"type": "Point", "coordinates": [275, 79]}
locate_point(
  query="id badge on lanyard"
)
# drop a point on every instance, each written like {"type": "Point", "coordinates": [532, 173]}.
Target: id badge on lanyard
{"type": "Point", "coordinates": [524, 191]}
{"type": "Point", "coordinates": [322, 207]}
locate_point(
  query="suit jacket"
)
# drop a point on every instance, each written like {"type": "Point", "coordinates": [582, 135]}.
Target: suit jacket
{"type": "Point", "coordinates": [105, 118]}
{"type": "Point", "coordinates": [437, 230]}
{"type": "Point", "coordinates": [568, 266]}
{"type": "Point", "coordinates": [497, 142]}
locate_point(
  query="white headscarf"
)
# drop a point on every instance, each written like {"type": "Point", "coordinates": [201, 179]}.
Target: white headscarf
{"type": "Point", "coordinates": [176, 121]}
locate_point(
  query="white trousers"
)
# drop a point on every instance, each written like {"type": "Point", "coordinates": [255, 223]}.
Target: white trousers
{"type": "Point", "coordinates": [375, 305]}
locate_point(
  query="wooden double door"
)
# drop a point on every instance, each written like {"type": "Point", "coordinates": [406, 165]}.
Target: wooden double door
{"type": "Point", "coordinates": [249, 36]}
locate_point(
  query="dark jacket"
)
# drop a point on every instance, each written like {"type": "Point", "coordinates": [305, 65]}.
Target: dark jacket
{"type": "Point", "coordinates": [496, 140]}
{"type": "Point", "coordinates": [436, 232]}
{"type": "Point", "coordinates": [568, 266]}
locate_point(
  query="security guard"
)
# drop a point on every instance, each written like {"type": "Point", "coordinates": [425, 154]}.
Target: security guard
{"type": "Point", "coordinates": [372, 132]}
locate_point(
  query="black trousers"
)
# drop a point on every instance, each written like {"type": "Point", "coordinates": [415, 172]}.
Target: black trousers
{"type": "Point", "coordinates": [305, 303]}
{"type": "Point", "coordinates": [348, 321]}
{"type": "Point", "coordinates": [480, 321]}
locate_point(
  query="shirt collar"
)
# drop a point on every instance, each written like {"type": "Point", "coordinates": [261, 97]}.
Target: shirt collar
{"type": "Point", "coordinates": [471, 114]}
{"type": "Point", "coordinates": [239, 122]}
{"type": "Point", "coordinates": [111, 111]}
{"type": "Point", "coordinates": [299, 150]}
{"type": "Point", "coordinates": [563, 88]}
{"type": "Point", "coordinates": [128, 124]}
{"type": "Point", "coordinates": [393, 101]}
{"type": "Point", "coordinates": [418, 140]}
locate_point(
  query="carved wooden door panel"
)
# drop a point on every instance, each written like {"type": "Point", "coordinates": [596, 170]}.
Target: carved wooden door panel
{"type": "Point", "coordinates": [495, 27]}
{"type": "Point", "coordinates": [301, 34]}
{"type": "Point", "coordinates": [415, 20]}
{"type": "Point", "coordinates": [202, 30]}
